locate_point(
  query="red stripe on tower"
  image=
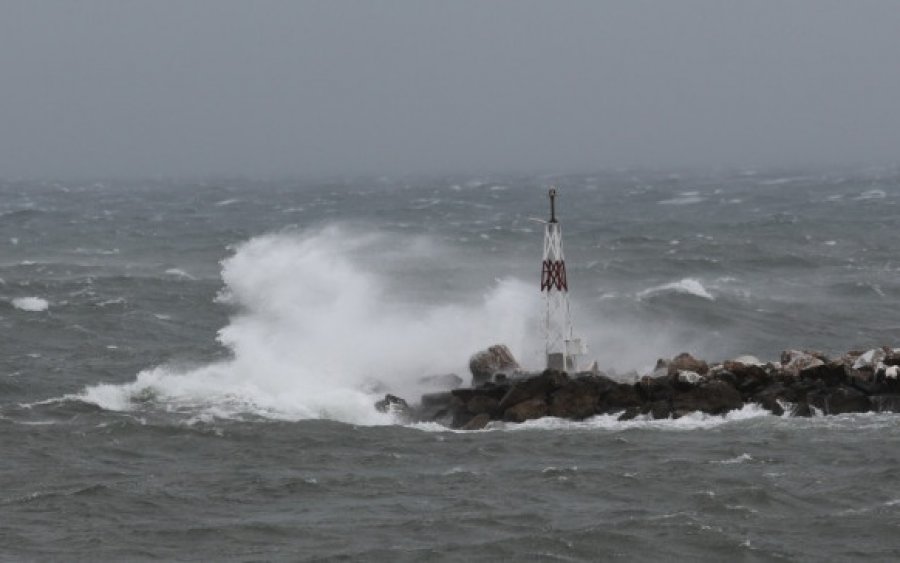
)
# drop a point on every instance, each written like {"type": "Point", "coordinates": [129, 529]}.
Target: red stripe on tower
{"type": "Point", "coordinates": [553, 276]}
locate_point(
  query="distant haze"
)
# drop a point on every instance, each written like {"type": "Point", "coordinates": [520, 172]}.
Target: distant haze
{"type": "Point", "coordinates": [223, 87]}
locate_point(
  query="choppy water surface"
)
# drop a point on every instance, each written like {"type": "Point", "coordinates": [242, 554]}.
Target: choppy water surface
{"type": "Point", "coordinates": [187, 368]}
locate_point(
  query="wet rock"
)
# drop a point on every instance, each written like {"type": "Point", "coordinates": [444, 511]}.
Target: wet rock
{"type": "Point", "coordinates": [840, 400]}
{"type": "Point", "coordinates": [578, 398]}
{"type": "Point", "coordinates": [630, 413]}
{"type": "Point", "coordinates": [685, 378]}
{"type": "Point", "coordinates": [394, 405]}
{"type": "Point", "coordinates": [713, 397]}
{"type": "Point", "coordinates": [773, 395]}
{"type": "Point", "coordinates": [831, 373]}
{"type": "Point", "coordinates": [750, 375]}
{"type": "Point", "coordinates": [795, 361]}
{"type": "Point", "coordinates": [685, 362]}
{"type": "Point", "coordinates": [885, 403]}
{"type": "Point", "coordinates": [772, 405]}
{"type": "Point", "coordinates": [802, 409]}
{"type": "Point", "coordinates": [526, 410]}
{"type": "Point", "coordinates": [496, 359]}
{"type": "Point", "coordinates": [477, 422]}
{"type": "Point", "coordinates": [892, 356]}
{"type": "Point", "coordinates": [538, 387]}
{"type": "Point", "coordinates": [869, 359]}
{"type": "Point", "coordinates": [865, 381]}
{"type": "Point", "coordinates": [435, 407]}
{"type": "Point", "coordinates": [483, 404]}
{"type": "Point", "coordinates": [494, 391]}
{"type": "Point", "coordinates": [621, 397]}
{"type": "Point", "coordinates": [657, 409]}
{"type": "Point", "coordinates": [656, 388]}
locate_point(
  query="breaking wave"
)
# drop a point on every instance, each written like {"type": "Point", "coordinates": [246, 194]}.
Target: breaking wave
{"type": "Point", "coordinates": [317, 334]}
{"type": "Point", "coordinates": [687, 286]}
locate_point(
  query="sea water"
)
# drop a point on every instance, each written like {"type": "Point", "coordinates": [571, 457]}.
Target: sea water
{"type": "Point", "coordinates": [188, 368]}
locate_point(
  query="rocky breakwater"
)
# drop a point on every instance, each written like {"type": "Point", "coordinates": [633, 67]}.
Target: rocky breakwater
{"type": "Point", "coordinates": [801, 383]}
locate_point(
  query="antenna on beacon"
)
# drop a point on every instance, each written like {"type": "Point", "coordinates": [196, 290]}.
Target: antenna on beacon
{"type": "Point", "coordinates": [562, 348]}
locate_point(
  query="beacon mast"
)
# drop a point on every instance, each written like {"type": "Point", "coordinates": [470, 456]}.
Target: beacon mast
{"type": "Point", "coordinates": [562, 347]}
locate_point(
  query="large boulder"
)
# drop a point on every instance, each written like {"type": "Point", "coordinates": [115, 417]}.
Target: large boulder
{"type": "Point", "coordinates": [683, 362]}
{"type": "Point", "coordinates": [537, 387]}
{"type": "Point", "coordinates": [621, 397]}
{"type": "Point", "coordinates": [831, 373]}
{"type": "Point", "coordinates": [483, 404]}
{"type": "Point", "coordinates": [656, 388]}
{"type": "Point", "coordinates": [394, 405]}
{"type": "Point", "coordinates": [796, 361]}
{"type": "Point", "coordinates": [477, 422]}
{"type": "Point", "coordinates": [526, 410]}
{"type": "Point", "coordinates": [840, 400]}
{"type": "Point", "coordinates": [578, 398]}
{"type": "Point", "coordinates": [750, 375]}
{"type": "Point", "coordinates": [885, 403]}
{"type": "Point", "coordinates": [713, 397]}
{"type": "Point", "coordinates": [487, 363]}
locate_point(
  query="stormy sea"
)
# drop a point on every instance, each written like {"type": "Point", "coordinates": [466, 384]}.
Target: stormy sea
{"type": "Point", "coordinates": [188, 368]}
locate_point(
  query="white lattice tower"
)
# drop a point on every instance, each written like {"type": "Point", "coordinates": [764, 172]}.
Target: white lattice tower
{"type": "Point", "coordinates": [562, 348]}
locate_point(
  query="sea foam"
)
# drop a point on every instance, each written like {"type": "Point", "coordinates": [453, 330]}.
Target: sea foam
{"type": "Point", "coordinates": [32, 304]}
{"type": "Point", "coordinates": [319, 335]}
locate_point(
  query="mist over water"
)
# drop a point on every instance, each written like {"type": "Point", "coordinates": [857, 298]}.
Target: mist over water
{"type": "Point", "coordinates": [191, 366]}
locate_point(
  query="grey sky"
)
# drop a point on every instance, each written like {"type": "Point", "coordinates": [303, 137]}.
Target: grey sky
{"type": "Point", "coordinates": [268, 88]}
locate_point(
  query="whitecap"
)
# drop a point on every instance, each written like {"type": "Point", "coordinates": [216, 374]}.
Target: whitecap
{"type": "Point", "coordinates": [686, 286]}
{"type": "Point", "coordinates": [871, 194]}
{"type": "Point", "coordinates": [178, 272]}
{"type": "Point", "coordinates": [31, 304]}
{"type": "Point", "coordinates": [225, 202]}
{"type": "Point", "coordinates": [684, 198]}
{"type": "Point", "coordinates": [739, 459]}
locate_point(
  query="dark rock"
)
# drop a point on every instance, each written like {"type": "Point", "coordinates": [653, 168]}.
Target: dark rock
{"type": "Point", "coordinates": [526, 410]}
{"type": "Point", "coordinates": [537, 387]}
{"type": "Point", "coordinates": [830, 373]}
{"type": "Point", "coordinates": [839, 400]}
{"type": "Point", "coordinates": [725, 376]}
{"type": "Point", "coordinates": [713, 397]}
{"type": "Point", "coordinates": [436, 399]}
{"type": "Point", "coordinates": [394, 405]}
{"type": "Point", "coordinates": [496, 359]}
{"type": "Point", "coordinates": [776, 393]}
{"type": "Point", "coordinates": [749, 377]}
{"type": "Point", "coordinates": [772, 405]}
{"type": "Point", "coordinates": [802, 409]}
{"type": "Point", "coordinates": [686, 380]}
{"type": "Point", "coordinates": [865, 381]}
{"type": "Point", "coordinates": [477, 422]}
{"type": "Point", "coordinates": [578, 398]}
{"type": "Point", "coordinates": [657, 409]}
{"type": "Point", "coordinates": [885, 403]}
{"type": "Point", "coordinates": [483, 404]}
{"type": "Point", "coordinates": [435, 407]}
{"type": "Point", "coordinates": [656, 388]}
{"type": "Point", "coordinates": [630, 413]}
{"type": "Point", "coordinates": [795, 361]}
{"type": "Point", "coordinates": [892, 357]}
{"type": "Point", "coordinates": [620, 397]}
{"type": "Point", "coordinates": [685, 362]}
{"type": "Point", "coordinates": [494, 391]}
